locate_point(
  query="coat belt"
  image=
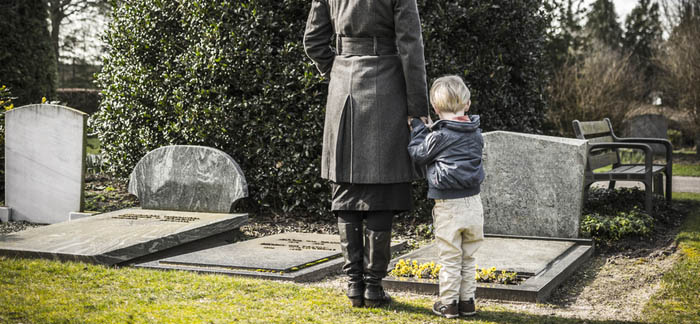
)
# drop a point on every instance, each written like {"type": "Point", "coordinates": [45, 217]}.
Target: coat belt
{"type": "Point", "coordinates": [373, 46]}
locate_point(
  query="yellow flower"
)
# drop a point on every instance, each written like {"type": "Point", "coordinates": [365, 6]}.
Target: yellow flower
{"type": "Point", "coordinates": [43, 99]}
{"type": "Point", "coordinates": [7, 108]}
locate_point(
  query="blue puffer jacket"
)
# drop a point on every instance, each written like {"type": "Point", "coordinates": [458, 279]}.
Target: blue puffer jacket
{"type": "Point", "coordinates": [452, 154]}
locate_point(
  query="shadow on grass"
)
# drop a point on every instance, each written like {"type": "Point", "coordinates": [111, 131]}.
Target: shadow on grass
{"type": "Point", "coordinates": [506, 317]}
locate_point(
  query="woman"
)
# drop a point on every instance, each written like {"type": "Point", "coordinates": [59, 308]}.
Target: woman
{"type": "Point", "coordinates": [373, 51]}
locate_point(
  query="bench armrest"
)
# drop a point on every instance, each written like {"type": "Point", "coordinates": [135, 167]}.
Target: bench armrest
{"type": "Point", "coordinates": [666, 143]}
{"type": "Point", "coordinates": [638, 146]}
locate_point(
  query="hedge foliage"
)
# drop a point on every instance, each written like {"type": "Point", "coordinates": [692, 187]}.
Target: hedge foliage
{"type": "Point", "coordinates": [85, 100]}
{"type": "Point", "coordinates": [233, 75]}
{"type": "Point", "coordinates": [613, 214]}
{"type": "Point", "coordinates": [28, 66]}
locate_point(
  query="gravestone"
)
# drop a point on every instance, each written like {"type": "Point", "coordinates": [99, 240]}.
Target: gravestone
{"type": "Point", "coordinates": [533, 184]}
{"type": "Point", "coordinates": [187, 177]}
{"type": "Point", "coordinates": [207, 181]}
{"type": "Point", "coordinates": [541, 264]}
{"type": "Point", "coordinates": [44, 162]}
{"type": "Point", "coordinates": [118, 236]}
{"type": "Point", "coordinates": [287, 256]}
{"type": "Point", "coordinates": [649, 126]}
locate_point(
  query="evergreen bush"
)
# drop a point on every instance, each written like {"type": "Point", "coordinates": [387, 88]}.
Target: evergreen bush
{"type": "Point", "coordinates": [28, 66]}
{"type": "Point", "coordinates": [85, 100]}
{"type": "Point", "coordinates": [233, 75]}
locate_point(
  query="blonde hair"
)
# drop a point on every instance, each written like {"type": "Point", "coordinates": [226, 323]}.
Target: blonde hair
{"type": "Point", "coordinates": [449, 94]}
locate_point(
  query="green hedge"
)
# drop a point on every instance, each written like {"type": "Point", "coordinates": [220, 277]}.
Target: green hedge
{"type": "Point", "coordinates": [85, 100]}
{"type": "Point", "coordinates": [27, 63]}
{"type": "Point", "coordinates": [233, 75]}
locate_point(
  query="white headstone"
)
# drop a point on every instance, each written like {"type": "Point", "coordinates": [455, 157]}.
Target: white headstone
{"type": "Point", "coordinates": [44, 162]}
{"type": "Point", "coordinates": [533, 184]}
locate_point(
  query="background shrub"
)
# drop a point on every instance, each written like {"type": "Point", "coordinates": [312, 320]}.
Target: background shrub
{"type": "Point", "coordinates": [233, 75]}
{"type": "Point", "coordinates": [611, 215]}
{"type": "Point", "coordinates": [85, 100]}
{"type": "Point", "coordinates": [28, 65]}
{"type": "Point", "coordinates": [5, 104]}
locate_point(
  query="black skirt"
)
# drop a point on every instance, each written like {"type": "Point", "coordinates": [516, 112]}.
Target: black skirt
{"type": "Point", "coordinates": [395, 197]}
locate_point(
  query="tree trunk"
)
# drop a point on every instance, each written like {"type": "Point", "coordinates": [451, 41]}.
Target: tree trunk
{"type": "Point", "coordinates": [56, 16]}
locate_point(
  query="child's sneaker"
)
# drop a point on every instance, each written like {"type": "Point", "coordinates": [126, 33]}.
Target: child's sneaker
{"type": "Point", "coordinates": [449, 311]}
{"type": "Point", "coordinates": [467, 307]}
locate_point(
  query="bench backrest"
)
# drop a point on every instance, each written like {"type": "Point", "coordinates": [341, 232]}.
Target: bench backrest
{"type": "Point", "coordinates": [598, 132]}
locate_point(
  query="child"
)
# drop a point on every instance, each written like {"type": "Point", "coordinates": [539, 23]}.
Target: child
{"type": "Point", "coordinates": [452, 154]}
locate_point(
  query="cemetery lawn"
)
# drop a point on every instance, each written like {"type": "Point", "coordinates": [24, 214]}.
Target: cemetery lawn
{"type": "Point", "coordinates": [678, 301]}
{"type": "Point", "coordinates": [42, 291]}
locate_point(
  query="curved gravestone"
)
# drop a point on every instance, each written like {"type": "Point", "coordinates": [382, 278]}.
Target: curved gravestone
{"type": "Point", "coordinates": [44, 162]}
{"type": "Point", "coordinates": [188, 178]}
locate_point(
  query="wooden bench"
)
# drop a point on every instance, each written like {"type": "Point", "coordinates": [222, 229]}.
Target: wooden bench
{"type": "Point", "coordinates": [603, 151]}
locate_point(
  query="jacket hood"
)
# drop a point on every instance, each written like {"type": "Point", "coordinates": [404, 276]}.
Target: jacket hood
{"type": "Point", "coordinates": [459, 126]}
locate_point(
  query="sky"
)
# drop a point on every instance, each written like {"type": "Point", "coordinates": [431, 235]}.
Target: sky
{"type": "Point", "coordinates": [622, 7]}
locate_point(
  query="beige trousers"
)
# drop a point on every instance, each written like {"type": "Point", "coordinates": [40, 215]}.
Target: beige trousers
{"type": "Point", "coordinates": [459, 231]}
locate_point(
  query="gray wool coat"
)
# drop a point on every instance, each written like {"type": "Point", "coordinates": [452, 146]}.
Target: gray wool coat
{"type": "Point", "coordinates": [373, 51]}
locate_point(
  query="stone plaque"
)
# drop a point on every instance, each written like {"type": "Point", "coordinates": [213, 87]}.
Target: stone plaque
{"type": "Point", "coordinates": [542, 264]}
{"type": "Point", "coordinates": [533, 184]}
{"type": "Point", "coordinates": [285, 252]}
{"type": "Point", "coordinates": [44, 162]}
{"type": "Point", "coordinates": [524, 256]}
{"type": "Point", "coordinates": [118, 236]}
{"type": "Point", "coordinates": [188, 178]}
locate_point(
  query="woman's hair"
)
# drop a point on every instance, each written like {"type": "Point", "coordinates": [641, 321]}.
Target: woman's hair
{"type": "Point", "coordinates": [449, 94]}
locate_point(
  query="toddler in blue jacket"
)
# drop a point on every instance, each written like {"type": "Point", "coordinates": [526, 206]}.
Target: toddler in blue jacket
{"type": "Point", "coordinates": [452, 154]}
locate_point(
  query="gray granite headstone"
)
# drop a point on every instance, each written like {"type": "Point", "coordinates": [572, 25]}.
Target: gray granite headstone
{"type": "Point", "coordinates": [44, 162]}
{"type": "Point", "coordinates": [533, 184]}
{"type": "Point", "coordinates": [118, 236]}
{"type": "Point", "coordinates": [649, 126]}
{"type": "Point", "coordinates": [188, 178]}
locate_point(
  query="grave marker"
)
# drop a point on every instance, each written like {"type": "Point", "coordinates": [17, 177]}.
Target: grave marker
{"type": "Point", "coordinates": [287, 256]}
{"type": "Point", "coordinates": [44, 162]}
{"type": "Point", "coordinates": [542, 263]}
{"type": "Point", "coordinates": [533, 184]}
{"type": "Point", "coordinates": [188, 178]}
{"type": "Point", "coordinates": [118, 236]}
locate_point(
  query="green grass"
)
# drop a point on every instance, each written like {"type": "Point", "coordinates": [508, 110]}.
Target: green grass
{"type": "Point", "coordinates": [678, 300]}
{"type": "Point", "coordinates": [42, 291]}
{"type": "Point", "coordinates": [93, 145]}
{"type": "Point", "coordinates": [687, 170]}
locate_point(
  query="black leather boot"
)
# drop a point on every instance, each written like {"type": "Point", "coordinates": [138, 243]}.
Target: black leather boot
{"type": "Point", "coordinates": [377, 256]}
{"type": "Point", "coordinates": [351, 243]}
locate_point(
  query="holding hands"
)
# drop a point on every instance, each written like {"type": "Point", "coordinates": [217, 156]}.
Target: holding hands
{"type": "Point", "coordinates": [425, 119]}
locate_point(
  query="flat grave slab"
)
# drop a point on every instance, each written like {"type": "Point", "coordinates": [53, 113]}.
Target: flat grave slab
{"type": "Point", "coordinates": [542, 262]}
{"type": "Point", "coordinates": [287, 256]}
{"type": "Point", "coordinates": [117, 236]}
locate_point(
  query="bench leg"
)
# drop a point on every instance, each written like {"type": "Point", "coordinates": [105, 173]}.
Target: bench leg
{"type": "Point", "coordinates": [611, 185]}
{"type": "Point", "coordinates": [648, 193]}
{"type": "Point", "coordinates": [659, 184]}
{"type": "Point", "coordinates": [669, 187]}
